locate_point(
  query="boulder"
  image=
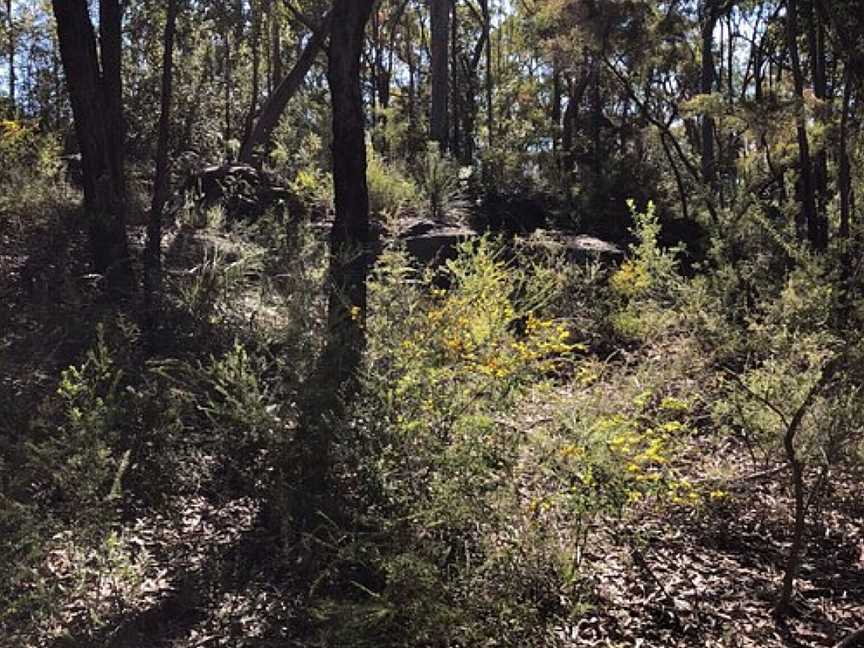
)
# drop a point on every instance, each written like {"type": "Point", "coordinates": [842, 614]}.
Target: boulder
{"type": "Point", "coordinates": [244, 191]}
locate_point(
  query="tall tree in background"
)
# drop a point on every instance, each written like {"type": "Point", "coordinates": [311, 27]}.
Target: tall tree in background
{"type": "Point", "coordinates": [806, 192]}
{"type": "Point", "coordinates": [440, 21]}
{"type": "Point", "coordinates": [275, 105]}
{"type": "Point", "coordinates": [153, 252]}
{"type": "Point", "coordinates": [10, 35]}
{"type": "Point", "coordinates": [95, 88]}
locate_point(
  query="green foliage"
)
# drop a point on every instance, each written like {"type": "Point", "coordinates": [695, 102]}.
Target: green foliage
{"type": "Point", "coordinates": [77, 465]}
{"type": "Point", "coordinates": [647, 282]}
{"type": "Point", "coordinates": [30, 171]}
{"type": "Point", "coordinates": [391, 191]}
{"type": "Point", "coordinates": [441, 182]}
{"type": "Point", "coordinates": [445, 370]}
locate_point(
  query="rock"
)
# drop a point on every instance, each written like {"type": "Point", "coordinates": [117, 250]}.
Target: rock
{"type": "Point", "coordinates": [577, 248]}
{"type": "Point", "coordinates": [244, 191]}
{"type": "Point", "coordinates": [437, 244]}
{"type": "Point", "coordinates": [513, 213]}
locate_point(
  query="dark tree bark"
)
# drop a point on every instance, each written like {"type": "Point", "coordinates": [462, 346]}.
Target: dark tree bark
{"type": "Point", "coordinates": [556, 109]}
{"type": "Point", "coordinates": [438, 119]}
{"type": "Point", "coordinates": [456, 101]}
{"type": "Point", "coordinates": [287, 88]}
{"type": "Point", "coordinates": [487, 29]}
{"type": "Point", "coordinates": [844, 182]}
{"type": "Point", "coordinates": [334, 381]}
{"type": "Point", "coordinates": [349, 239]}
{"type": "Point", "coordinates": [597, 156]}
{"type": "Point", "coordinates": [709, 22]}
{"type": "Point", "coordinates": [816, 45]}
{"type": "Point", "coordinates": [807, 195]}
{"type": "Point", "coordinates": [256, 69]}
{"type": "Point", "coordinates": [466, 92]}
{"type": "Point", "coordinates": [276, 46]}
{"type": "Point", "coordinates": [96, 96]}
{"type": "Point", "coordinates": [153, 251]}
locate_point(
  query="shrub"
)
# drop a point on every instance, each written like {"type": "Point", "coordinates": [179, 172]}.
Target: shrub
{"type": "Point", "coordinates": [445, 369]}
{"type": "Point", "coordinates": [647, 283]}
{"type": "Point", "coordinates": [443, 187]}
{"type": "Point", "coordinates": [391, 192]}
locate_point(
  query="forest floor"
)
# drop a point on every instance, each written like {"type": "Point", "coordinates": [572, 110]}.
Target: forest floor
{"type": "Point", "coordinates": [209, 576]}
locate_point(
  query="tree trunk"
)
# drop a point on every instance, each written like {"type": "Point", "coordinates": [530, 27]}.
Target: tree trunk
{"type": "Point", "coordinates": [440, 19]}
{"type": "Point", "coordinates": [11, 45]}
{"type": "Point", "coordinates": [556, 110]}
{"type": "Point", "coordinates": [287, 88]}
{"type": "Point", "coordinates": [276, 37]}
{"type": "Point", "coordinates": [844, 182]}
{"type": "Point", "coordinates": [454, 72]}
{"type": "Point", "coordinates": [256, 70]}
{"type": "Point", "coordinates": [596, 120]}
{"type": "Point", "coordinates": [153, 252]}
{"type": "Point", "coordinates": [335, 380]}
{"type": "Point", "coordinates": [806, 190]}
{"type": "Point", "coordinates": [816, 45]}
{"type": "Point", "coordinates": [709, 22]}
{"type": "Point", "coordinates": [95, 95]}
{"type": "Point", "coordinates": [227, 81]}
{"type": "Point", "coordinates": [349, 239]}
{"type": "Point", "coordinates": [487, 28]}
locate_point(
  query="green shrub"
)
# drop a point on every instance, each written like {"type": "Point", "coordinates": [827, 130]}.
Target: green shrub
{"type": "Point", "coordinates": [442, 185]}
{"type": "Point", "coordinates": [647, 283]}
{"type": "Point", "coordinates": [391, 192]}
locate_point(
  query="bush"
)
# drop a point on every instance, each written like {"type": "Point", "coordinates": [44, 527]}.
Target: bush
{"type": "Point", "coordinates": [391, 192]}
{"type": "Point", "coordinates": [647, 284]}
{"type": "Point", "coordinates": [443, 187]}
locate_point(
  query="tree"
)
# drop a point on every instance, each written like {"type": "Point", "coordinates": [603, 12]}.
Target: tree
{"type": "Point", "coordinates": [95, 88]}
{"type": "Point", "coordinates": [285, 90]}
{"type": "Point", "coordinates": [10, 26]}
{"type": "Point", "coordinates": [807, 195]}
{"type": "Point", "coordinates": [335, 379]}
{"type": "Point", "coordinates": [440, 19]}
{"type": "Point", "coordinates": [349, 239]}
{"type": "Point", "coordinates": [153, 253]}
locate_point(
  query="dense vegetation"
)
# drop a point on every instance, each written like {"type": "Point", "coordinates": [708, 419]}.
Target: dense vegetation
{"type": "Point", "coordinates": [447, 323]}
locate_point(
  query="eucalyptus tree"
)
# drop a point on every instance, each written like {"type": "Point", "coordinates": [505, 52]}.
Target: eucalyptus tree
{"type": "Point", "coordinates": [95, 82]}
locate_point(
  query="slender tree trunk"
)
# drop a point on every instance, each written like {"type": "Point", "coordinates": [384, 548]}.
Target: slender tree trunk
{"type": "Point", "coordinates": [11, 52]}
{"type": "Point", "coordinates": [228, 83]}
{"type": "Point", "coordinates": [816, 45]}
{"type": "Point", "coordinates": [276, 37]}
{"type": "Point", "coordinates": [153, 251]}
{"type": "Point", "coordinates": [440, 19]}
{"type": "Point", "coordinates": [709, 22]}
{"type": "Point", "coordinates": [454, 72]}
{"type": "Point", "coordinates": [490, 109]}
{"type": "Point", "coordinates": [95, 94]}
{"type": "Point", "coordinates": [256, 69]}
{"type": "Point", "coordinates": [806, 188]}
{"type": "Point", "coordinates": [596, 119]}
{"type": "Point", "coordinates": [287, 88]}
{"type": "Point", "coordinates": [412, 86]}
{"type": "Point", "coordinates": [844, 182]}
{"type": "Point", "coordinates": [556, 110]}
